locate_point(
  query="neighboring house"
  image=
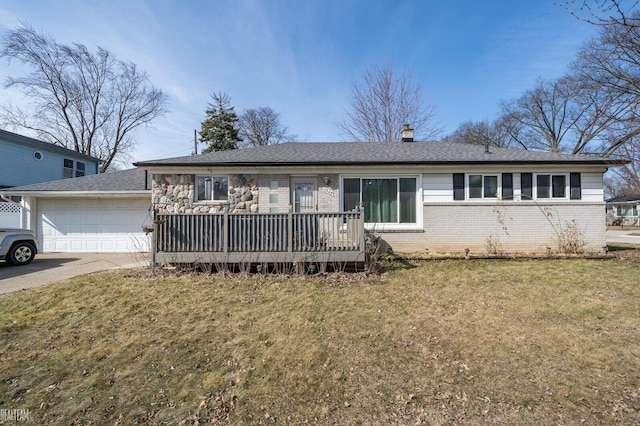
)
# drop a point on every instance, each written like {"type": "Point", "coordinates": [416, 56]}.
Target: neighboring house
{"type": "Point", "coordinates": [99, 213]}
{"type": "Point", "coordinates": [25, 161]}
{"type": "Point", "coordinates": [416, 196]}
{"type": "Point", "coordinates": [623, 210]}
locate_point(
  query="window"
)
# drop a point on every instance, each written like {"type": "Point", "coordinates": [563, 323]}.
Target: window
{"type": "Point", "coordinates": [212, 188]}
{"type": "Point", "coordinates": [551, 186]}
{"type": "Point", "coordinates": [483, 186]}
{"type": "Point", "coordinates": [351, 192]}
{"type": "Point", "coordinates": [626, 211]}
{"type": "Point", "coordinates": [501, 186]}
{"type": "Point", "coordinates": [67, 168]}
{"type": "Point", "coordinates": [72, 168]}
{"type": "Point", "coordinates": [480, 186]}
{"type": "Point", "coordinates": [80, 167]}
{"type": "Point", "coordinates": [407, 200]}
{"type": "Point", "coordinates": [385, 200]}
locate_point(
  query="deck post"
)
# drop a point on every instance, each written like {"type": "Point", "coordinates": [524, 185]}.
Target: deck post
{"type": "Point", "coordinates": [363, 240]}
{"type": "Point", "coordinates": [290, 232]}
{"type": "Point", "coordinates": [154, 238]}
{"type": "Point", "coordinates": [225, 232]}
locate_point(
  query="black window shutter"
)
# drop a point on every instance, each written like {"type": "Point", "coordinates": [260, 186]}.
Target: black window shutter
{"type": "Point", "coordinates": [526, 183]}
{"type": "Point", "coordinates": [507, 186]}
{"type": "Point", "coordinates": [458, 186]}
{"type": "Point", "coordinates": [575, 184]}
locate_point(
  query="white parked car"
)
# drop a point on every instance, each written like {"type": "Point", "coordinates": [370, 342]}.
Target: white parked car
{"type": "Point", "coordinates": [17, 246]}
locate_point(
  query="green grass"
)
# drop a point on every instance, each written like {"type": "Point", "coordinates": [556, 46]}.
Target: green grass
{"type": "Point", "coordinates": [438, 342]}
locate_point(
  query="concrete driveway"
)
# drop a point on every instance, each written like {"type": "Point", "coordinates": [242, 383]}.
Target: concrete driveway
{"type": "Point", "coordinates": [51, 267]}
{"type": "Point", "coordinates": [625, 237]}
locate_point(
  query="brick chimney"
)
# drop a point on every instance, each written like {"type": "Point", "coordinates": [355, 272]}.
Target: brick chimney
{"type": "Point", "coordinates": [407, 133]}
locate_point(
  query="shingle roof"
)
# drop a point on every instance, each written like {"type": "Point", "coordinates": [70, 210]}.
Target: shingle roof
{"type": "Point", "coordinates": [118, 181]}
{"type": "Point", "coordinates": [372, 153]}
{"type": "Point", "coordinates": [46, 146]}
{"type": "Point", "coordinates": [624, 199]}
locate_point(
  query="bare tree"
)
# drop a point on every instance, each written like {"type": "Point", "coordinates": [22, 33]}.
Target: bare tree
{"type": "Point", "coordinates": [571, 114]}
{"type": "Point", "coordinates": [544, 113]}
{"type": "Point", "coordinates": [612, 61]}
{"type": "Point", "coordinates": [261, 126]}
{"type": "Point", "coordinates": [86, 101]}
{"type": "Point", "coordinates": [629, 174]}
{"type": "Point", "coordinates": [604, 12]}
{"type": "Point", "coordinates": [382, 102]}
{"type": "Point", "coordinates": [625, 179]}
{"type": "Point", "coordinates": [497, 133]}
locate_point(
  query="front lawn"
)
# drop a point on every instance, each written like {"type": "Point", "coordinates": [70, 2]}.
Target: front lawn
{"type": "Point", "coordinates": [437, 342]}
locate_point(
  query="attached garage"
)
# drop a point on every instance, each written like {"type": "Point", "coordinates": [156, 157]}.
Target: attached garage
{"type": "Point", "coordinates": [102, 225]}
{"type": "Point", "coordinates": [102, 213]}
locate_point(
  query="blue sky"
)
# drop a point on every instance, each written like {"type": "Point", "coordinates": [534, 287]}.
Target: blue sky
{"type": "Point", "coordinates": [299, 57]}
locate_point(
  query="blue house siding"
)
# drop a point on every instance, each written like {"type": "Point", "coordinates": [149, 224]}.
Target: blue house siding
{"type": "Point", "coordinates": [25, 161]}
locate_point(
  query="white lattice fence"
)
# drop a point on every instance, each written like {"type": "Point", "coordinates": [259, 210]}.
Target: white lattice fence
{"type": "Point", "coordinates": [10, 215]}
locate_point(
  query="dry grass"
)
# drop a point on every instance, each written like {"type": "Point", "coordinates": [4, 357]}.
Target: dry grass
{"type": "Point", "coordinates": [621, 228]}
{"type": "Point", "coordinates": [439, 342]}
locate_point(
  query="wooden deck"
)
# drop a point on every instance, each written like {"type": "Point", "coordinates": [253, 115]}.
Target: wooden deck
{"type": "Point", "coordinates": [259, 238]}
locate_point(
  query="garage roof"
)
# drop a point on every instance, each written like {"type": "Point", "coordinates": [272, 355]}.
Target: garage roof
{"type": "Point", "coordinates": [130, 180]}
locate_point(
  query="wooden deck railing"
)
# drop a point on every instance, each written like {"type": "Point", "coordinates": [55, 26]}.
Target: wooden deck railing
{"type": "Point", "coordinates": [259, 237]}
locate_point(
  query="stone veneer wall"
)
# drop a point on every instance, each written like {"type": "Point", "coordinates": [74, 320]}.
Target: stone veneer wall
{"type": "Point", "coordinates": [243, 193]}
{"type": "Point", "coordinates": [175, 193]}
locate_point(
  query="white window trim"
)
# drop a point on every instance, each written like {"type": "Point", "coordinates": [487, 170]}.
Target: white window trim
{"type": "Point", "coordinates": [618, 208]}
{"type": "Point", "coordinates": [196, 191]}
{"type": "Point", "coordinates": [72, 168]}
{"type": "Point", "coordinates": [76, 170]}
{"type": "Point", "coordinates": [382, 227]}
{"type": "Point", "coordinates": [567, 188]}
{"type": "Point", "coordinates": [467, 187]}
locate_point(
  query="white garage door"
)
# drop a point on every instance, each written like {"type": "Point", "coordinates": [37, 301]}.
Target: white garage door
{"type": "Point", "coordinates": [93, 225]}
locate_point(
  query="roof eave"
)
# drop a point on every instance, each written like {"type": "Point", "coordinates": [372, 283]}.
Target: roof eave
{"type": "Point", "coordinates": [372, 163]}
{"type": "Point", "coordinates": [100, 194]}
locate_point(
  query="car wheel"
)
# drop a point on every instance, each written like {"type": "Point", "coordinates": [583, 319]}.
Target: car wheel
{"type": "Point", "coordinates": [21, 254]}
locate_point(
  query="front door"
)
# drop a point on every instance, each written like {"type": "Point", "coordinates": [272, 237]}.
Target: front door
{"type": "Point", "coordinates": [303, 194]}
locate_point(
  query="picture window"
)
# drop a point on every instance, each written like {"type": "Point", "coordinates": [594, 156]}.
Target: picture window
{"type": "Point", "coordinates": [385, 200]}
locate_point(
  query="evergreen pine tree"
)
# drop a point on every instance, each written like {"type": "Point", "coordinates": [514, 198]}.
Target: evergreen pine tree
{"type": "Point", "coordinates": [219, 129]}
